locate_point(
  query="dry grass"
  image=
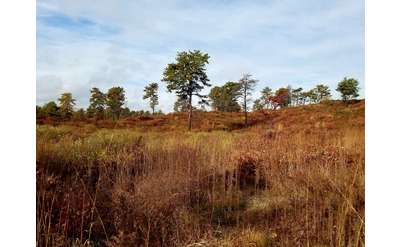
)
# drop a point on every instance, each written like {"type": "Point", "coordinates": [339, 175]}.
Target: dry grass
{"type": "Point", "coordinates": [295, 178]}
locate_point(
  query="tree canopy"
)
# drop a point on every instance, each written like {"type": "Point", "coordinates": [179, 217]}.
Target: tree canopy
{"type": "Point", "coordinates": [187, 77]}
{"type": "Point", "coordinates": [115, 99]}
{"type": "Point", "coordinates": [97, 103]}
{"type": "Point", "coordinates": [225, 98]}
{"type": "Point", "coordinates": [348, 88]}
{"type": "Point", "coordinates": [66, 105]}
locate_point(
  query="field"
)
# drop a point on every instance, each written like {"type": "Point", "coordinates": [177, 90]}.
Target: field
{"type": "Point", "coordinates": [294, 177]}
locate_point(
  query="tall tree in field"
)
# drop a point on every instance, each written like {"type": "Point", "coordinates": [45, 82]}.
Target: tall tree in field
{"type": "Point", "coordinates": [97, 103]}
{"type": "Point", "coordinates": [150, 92]}
{"type": "Point", "coordinates": [115, 99]}
{"type": "Point", "coordinates": [66, 105]}
{"type": "Point", "coordinates": [225, 98]}
{"type": "Point", "coordinates": [323, 92]}
{"type": "Point", "coordinates": [246, 88]}
{"type": "Point", "coordinates": [187, 77]}
{"type": "Point", "coordinates": [348, 88]}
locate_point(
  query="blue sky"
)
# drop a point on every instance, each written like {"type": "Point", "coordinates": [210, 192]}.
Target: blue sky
{"type": "Point", "coordinates": [83, 44]}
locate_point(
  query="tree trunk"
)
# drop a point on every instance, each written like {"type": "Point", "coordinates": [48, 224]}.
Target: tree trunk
{"type": "Point", "coordinates": [245, 106]}
{"type": "Point", "coordinates": [153, 110]}
{"type": "Point", "coordinates": [190, 112]}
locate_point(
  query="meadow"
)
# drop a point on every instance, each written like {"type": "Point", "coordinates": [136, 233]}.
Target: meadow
{"type": "Point", "coordinates": [294, 177]}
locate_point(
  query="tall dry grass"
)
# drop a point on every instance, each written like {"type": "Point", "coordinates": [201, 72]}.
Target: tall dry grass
{"type": "Point", "coordinates": [267, 186]}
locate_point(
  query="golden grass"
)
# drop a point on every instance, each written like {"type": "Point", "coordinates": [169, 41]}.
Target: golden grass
{"type": "Point", "coordinates": [286, 181]}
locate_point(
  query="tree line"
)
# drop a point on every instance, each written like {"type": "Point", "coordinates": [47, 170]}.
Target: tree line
{"type": "Point", "coordinates": [187, 77]}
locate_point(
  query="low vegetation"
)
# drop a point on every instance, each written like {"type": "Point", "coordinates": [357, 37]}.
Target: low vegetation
{"type": "Point", "coordinates": [293, 177]}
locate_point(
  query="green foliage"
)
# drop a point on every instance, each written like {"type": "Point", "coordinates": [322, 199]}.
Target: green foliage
{"type": "Point", "coordinates": [187, 77]}
{"type": "Point", "coordinates": [323, 92]}
{"type": "Point", "coordinates": [181, 105]}
{"type": "Point", "coordinates": [297, 96]}
{"type": "Point", "coordinates": [150, 92]}
{"type": "Point", "coordinates": [66, 105]}
{"type": "Point", "coordinates": [51, 109]}
{"type": "Point", "coordinates": [125, 112]}
{"type": "Point", "coordinates": [264, 100]}
{"type": "Point", "coordinates": [97, 104]}
{"type": "Point", "coordinates": [348, 88]}
{"type": "Point", "coordinates": [115, 99]}
{"type": "Point", "coordinates": [225, 98]}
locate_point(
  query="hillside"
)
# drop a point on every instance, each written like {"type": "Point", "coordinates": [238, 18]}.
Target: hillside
{"type": "Point", "coordinates": [294, 177]}
{"type": "Point", "coordinates": [331, 114]}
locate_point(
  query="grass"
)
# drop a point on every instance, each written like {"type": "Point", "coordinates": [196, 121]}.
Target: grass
{"type": "Point", "coordinates": [294, 178]}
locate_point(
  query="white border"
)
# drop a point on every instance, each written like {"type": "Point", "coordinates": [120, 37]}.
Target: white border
{"type": "Point", "coordinates": [382, 123]}
{"type": "Point", "coordinates": [17, 124]}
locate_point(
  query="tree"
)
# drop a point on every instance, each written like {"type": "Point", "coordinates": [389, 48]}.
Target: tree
{"type": "Point", "coordinates": [115, 99]}
{"type": "Point", "coordinates": [66, 105]}
{"type": "Point", "coordinates": [225, 98]}
{"type": "Point", "coordinates": [50, 109]}
{"type": "Point", "coordinates": [97, 103]}
{"type": "Point", "coordinates": [187, 77]}
{"type": "Point", "coordinates": [246, 87]}
{"type": "Point", "coordinates": [296, 95]}
{"type": "Point", "coordinates": [348, 88]}
{"type": "Point", "coordinates": [258, 105]}
{"type": "Point", "coordinates": [281, 98]}
{"type": "Point", "coordinates": [289, 96]}
{"type": "Point", "coordinates": [150, 92]}
{"type": "Point", "coordinates": [265, 94]}
{"type": "Point", "coordinates": [322, 92]}
{"type": "Point", "coordinates": [181, 105]}
{"type": "Point", "coordinates": [39, 112]}
{"type": "Point", "coordinates": [125, 112]}
{"type": "Point", "coordinates": [312, 95]}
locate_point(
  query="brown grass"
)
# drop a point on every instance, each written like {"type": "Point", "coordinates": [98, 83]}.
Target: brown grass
{"type": "Point", "coordinates": [294, 178]}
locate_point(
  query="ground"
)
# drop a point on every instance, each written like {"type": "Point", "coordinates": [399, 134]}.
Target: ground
{"type": "Point", "coordinates": [293, 177]}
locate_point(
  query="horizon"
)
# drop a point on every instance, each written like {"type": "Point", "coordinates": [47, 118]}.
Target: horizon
{"type": "Point", "coordinates": [80, 46]}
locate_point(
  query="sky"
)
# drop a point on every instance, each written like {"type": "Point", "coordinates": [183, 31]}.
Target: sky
{"type": "Point", "coordinates": [83, 44]}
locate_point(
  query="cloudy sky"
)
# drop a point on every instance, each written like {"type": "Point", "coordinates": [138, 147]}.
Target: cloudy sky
{"type": "Point", "coordinates": [85, 43]}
